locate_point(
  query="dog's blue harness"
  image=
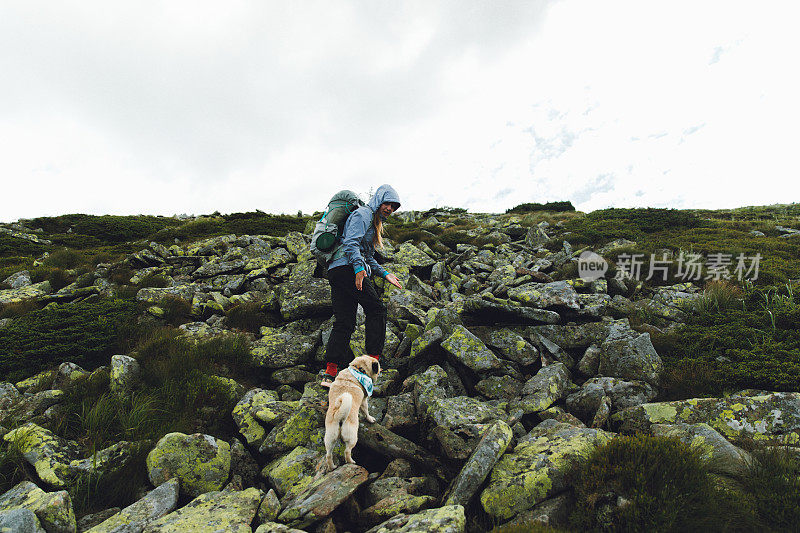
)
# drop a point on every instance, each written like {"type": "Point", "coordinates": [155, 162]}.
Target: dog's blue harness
{"type": "Point", "coordinates": [364, 379]}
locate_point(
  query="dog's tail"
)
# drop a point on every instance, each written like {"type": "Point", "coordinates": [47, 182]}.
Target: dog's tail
{"type": "Point", "coordinates": [342, 410]}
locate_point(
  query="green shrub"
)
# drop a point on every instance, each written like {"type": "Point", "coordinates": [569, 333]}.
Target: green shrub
{"type": "Point", "coordinates": [248, 316]}
{"type": "Point", "coordinates": [773, 483]}
{"type": "Point", "coordinates": [177, 310]}
{"type": "Point", "coordinates": [718, 296]}
{"type": "Point", "coordinates": [107, 229]}
{"type": "Point", "coordinates": [16, 247]}
{"type": "Point", "coordinates": [64, 258]}
{"type": "Point", "coordinates": [85, 333]}
{"type": "Point", "coordinates": [549, 206]}
{"type": "Point", "coordinates": [645, 483]}
{"type": "Point", "coordinates": [18, 309]}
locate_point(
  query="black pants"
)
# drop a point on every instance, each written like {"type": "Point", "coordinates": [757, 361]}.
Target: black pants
{"type": "Point", "coordinates": [345, 298]}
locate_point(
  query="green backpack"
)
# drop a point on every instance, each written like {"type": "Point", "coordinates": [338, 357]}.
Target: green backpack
{"type": "Point", "coordinates": [327, 236]}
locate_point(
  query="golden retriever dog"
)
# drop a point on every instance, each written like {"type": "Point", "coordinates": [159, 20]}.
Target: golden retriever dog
{"type": "Point", "coordinates": [349, 393]}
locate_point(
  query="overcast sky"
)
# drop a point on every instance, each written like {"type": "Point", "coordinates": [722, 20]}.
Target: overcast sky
{"type": "Point", "coordinates": [176, 107]}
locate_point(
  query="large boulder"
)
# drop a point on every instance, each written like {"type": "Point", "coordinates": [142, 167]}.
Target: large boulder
{"type": "Point", "coordinates": [622, 394]}
{"type": "Point", "coordinates": [544, 389]}
{"type": "Point", "coordinates": [536, 468]}
{"type": "Point", "coordinates": [134, 518]}
{"type": "Point", "coordinates": [749, 414]}
{"type": "Point", "coordinates": [304, 299]}
{"type": "Point", "coordinates": [470, 351]}
{"type": "Point", "coordinates": [557, 295]}
{"type": "Point", "coordinates": [53, 509]}
{"type": "Point", "coordinates": [292, 473]}
{"type": "Point", "coordinates": [323, 496]}
{"type": "Point", "coordinates": [491, 447]}
{"type": "Point", "coordinates": [125, 374]}
{"type": "Point", "coordinates": [24, 293]}
{"type": "Point", "coordinates": [201, 462]}
{"type": "Point", "coordinates": [283, 347]}
{"type": "Point", "coordinates": [410, 255]}
{"type": "Point", "coordinates": [223, 512]}
{"type": "Point", "coordinates": [631, 357]}
{"type": "Point", "coordinates": [49, 454]}
{"type": "Point", "coordinates": [722, 456]}
{"type": "Point", "coordinates": [448, 519]}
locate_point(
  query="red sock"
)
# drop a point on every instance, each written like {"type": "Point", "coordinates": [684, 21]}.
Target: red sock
{"type": "Point", "coordinates": [375, 356]}
{"type": "Point", "coordinates": [332, 369]}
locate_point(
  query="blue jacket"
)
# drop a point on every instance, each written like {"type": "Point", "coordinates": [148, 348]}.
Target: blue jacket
{"type": "Point", "coordinates": [356, 248]}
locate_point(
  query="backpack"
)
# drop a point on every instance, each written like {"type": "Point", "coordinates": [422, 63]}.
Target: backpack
{"type": "Point", "coordinates": [327, 236]}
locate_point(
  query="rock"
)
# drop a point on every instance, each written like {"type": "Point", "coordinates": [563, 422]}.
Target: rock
{"type": "Point", "coordinates": [283, 347]}
{"type": "Point", "coordinates": [512, 346]}
{"type": "Point", "coordinates": [305, 427]}
{"type": "Point", "coordinates": [544, 389]}
{"type": "Point", "coordinates": [53, 509]}
{"type": "Point", "coordinates": [448, 519]}
{"type": "Point", "coordinates": [764, 416]}
{"type": "Point", "coordinates": [134, 518]}
{"type": "Point", "coordinates": [379, 439]}
{"type": "Point", "coordinates": [125, 374]}
{"type": "Point", "coordinates": [243, 414]}
{"type": "Point", "coordinates": [304, 299]}
{"type": "Point", "coordinates": [218, 512]}
{"type": "Point", "coordinates": [631, 357]}
{"type": "Point", "coordinates": [49, 454]}
{"type": "Point", "coordinates": [410, 255]}
{"type": "Point", "coordinates": [274, 527]}
{"type": "Point", "coordinates": [399, 502]}
{"type": "Point", "coordinates": [579, 336]}
{"type": "Point", "coordinates": [400, 413]}
{"type": "Point", "coordinates": [622, 394]}
{"type": "Point", "coordinates": [32, 406]}
{"type": "Point", "coordinates": [153, 295]}
{"type": "Point", "coordinates": [323, 496]}
{"type": "Point", "coordinates": [558, 295]}
{"type": "Point", "coordinates": [18, 280]}
{"type": "Point", "coordinates": [426, 342]}
{"type": "Point", "coordinates": [490, 448]}
{"type": "Point", "coordinates": [536, 237]}
{"type": "Point", "coordinates": [25, 293]}
{"type": "Point", "coordinates": [292, 473]}
{"type": "Point", "coordinates": [535, 469]}
{"type": "Point", "coordinates": [722, 456]}
{"type": "Point", "coordinates": [551, 513]}
{"type": "Point", "coordinates": [470, 351]}
{"type": "Point", "coordinates": [20, 520]}
{"type": "Point", "coordinates": [496, 311]}
{"type": "Point", "coordinates": [201, 462]}
{"type": "Point", "coordinates": [499, 387]}
{"type": "Point", "coordinates": [270, 507]}
{"type": "Point", "coordinates": [404, 304]}
{"type": "Point", "coordinates": [590, 361]}
{"type": "Point", "coordinates": [9, 397]}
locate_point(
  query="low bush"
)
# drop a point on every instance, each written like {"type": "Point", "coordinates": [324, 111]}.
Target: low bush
{"type": "Point", "coordinates": [85, 333]}
{"type": "Point", "coordinates": [248, 316]}
{"type": "Point", "coordinates": [645, 483]}
{"type": "Point", "coordinates": [16, 247]}
{"type": "Point", "coordinates": [549, 206]}
{"type": "Point", "coordinates": [177, 310]}
{"type": "Point", "coordinates": [773, 483]}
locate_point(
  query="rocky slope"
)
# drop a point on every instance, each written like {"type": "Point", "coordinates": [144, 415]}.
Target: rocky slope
{"type": "Point", "coordinates": [496, 377]}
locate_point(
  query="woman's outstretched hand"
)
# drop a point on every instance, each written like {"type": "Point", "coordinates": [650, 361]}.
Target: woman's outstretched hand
{"type": "Point", "coordinates": [391, 278]}
{"type": "Point", "coordinates": [360, 278]}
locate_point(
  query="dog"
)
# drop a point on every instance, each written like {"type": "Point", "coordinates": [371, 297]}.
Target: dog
{"type": "Point", "coordinates": [346, 397]}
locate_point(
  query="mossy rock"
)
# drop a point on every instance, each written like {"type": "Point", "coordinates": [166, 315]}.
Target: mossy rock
{"type": "Point", "coordinates": [202, 463]}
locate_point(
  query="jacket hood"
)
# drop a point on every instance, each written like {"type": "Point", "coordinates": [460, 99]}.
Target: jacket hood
{"type": "Point", "coordinates": [385, 193]}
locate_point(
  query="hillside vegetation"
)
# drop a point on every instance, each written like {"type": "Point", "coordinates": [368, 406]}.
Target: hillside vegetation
{"type": "Point", "coordinates": [518, 392]}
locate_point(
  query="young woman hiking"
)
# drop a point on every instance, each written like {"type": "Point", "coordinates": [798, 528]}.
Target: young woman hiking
{"type": "Point", "coordinates": [349, 275]}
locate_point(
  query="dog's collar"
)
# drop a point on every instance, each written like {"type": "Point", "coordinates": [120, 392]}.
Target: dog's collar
{"type": "Point", "coordinates": [362, 378]}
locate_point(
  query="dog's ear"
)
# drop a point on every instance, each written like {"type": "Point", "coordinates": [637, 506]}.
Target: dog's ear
{"type": "Point", "coordinates": [376, 368]}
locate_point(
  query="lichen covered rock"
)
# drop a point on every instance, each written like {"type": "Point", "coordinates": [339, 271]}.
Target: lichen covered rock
{"type": "Point", "coordinates": [53, 509]}
{"type": "Point", "coordinates": [212, 512]}
{"type": "Point", "coordinates": [535, 470]}
{"type": "Point", "coordinates": [470, 351]}
{"type": "Point", "coordinates": [757, 415]}
{"type": "Point", "coordinates": [156, 504]}
{"type": "Point", "coordinates": [447, 519]}
{"type": "Point", "coordinates": [201, 462]}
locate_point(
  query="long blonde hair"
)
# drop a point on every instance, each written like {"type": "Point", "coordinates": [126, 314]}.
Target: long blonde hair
{"type": "Point", "coordinates": [377, 223]}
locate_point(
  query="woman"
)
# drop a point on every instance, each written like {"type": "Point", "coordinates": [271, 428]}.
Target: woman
{"type": "Point", "coordinates": [349, 275]}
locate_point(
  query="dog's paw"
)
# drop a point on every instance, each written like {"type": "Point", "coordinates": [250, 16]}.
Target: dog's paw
{"type": "Point", "coordinates": [370, 419]}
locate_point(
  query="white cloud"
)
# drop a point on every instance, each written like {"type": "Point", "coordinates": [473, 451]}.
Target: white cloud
{"type": "Point", "coordinates": [189, 107]}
